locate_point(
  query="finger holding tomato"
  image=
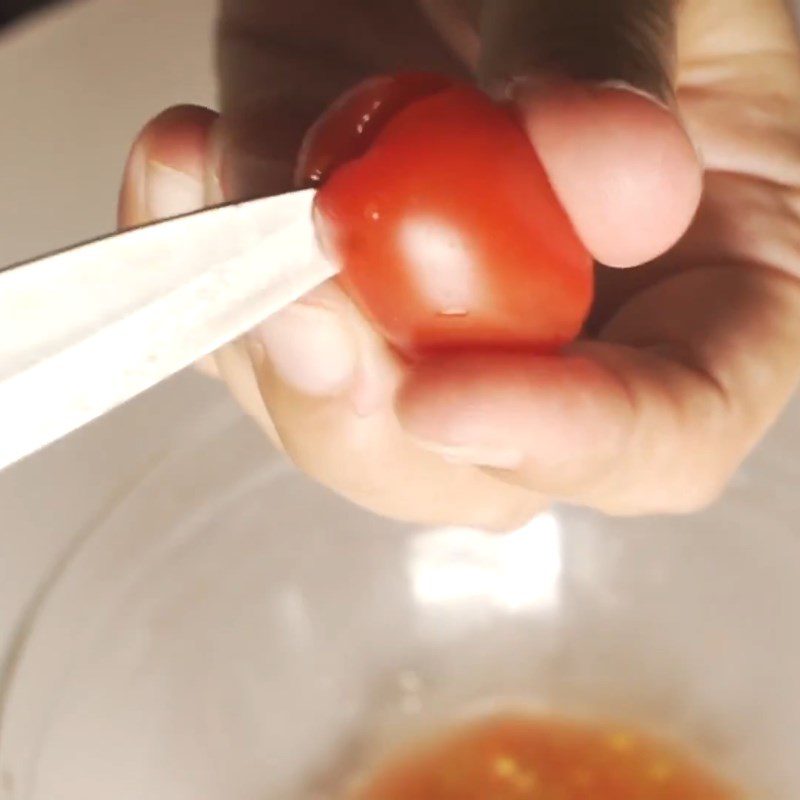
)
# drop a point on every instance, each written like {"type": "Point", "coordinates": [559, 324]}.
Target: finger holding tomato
{"type": "Point", "coordinates": [477, 392]}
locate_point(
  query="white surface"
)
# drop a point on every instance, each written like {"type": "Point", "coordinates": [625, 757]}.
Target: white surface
{"type": "Point", "coordinates": [75, 86]}
{"type": "Point", "coordinates": [182, 618]}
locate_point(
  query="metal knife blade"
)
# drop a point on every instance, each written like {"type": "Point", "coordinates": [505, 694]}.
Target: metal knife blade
{"type": "Point", "coordinates": [86, 329]}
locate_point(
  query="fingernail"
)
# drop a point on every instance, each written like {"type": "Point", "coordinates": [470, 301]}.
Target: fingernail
{"type": "Point", "coordinates": [528, 91]}
{"type": "Point", "coordinates": [310, 348]}
{"type": "Point", "coordinates": [475, 455]}
{"type": "Point", "coordinates": [528, 88]}
{"type": "Point", "coordinates": [214, 191]}
{"type": "Point", "coordinates": [162, 191]}
{"type": "Point", "coordinates": [624, 86]}
{"type": "Point", "coordinates": [670, 105]}
{"type": "Point", "coordinates": [169, 192]}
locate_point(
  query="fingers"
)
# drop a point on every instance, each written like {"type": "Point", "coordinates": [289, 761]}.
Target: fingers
{"type": "Point", "coordinates": [593, 83]}
{"type": "Point", "coordinates": [173, 169]}
{"type": "Point", "coordinates": [165, 172]}
{"type": "Point", "coordinates": [364, 455]}
{"type": "Point", "coordinates": [577, 428]}
{"type": "Point", "coordinates": [621, 164]}
{"type": "Point", "coordinates": [654, 425]}
{"type": "Point", "coordinates": [327, 379]}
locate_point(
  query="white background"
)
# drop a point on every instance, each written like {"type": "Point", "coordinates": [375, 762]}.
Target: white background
{"type": "Point", "coordinates": [75, 86]}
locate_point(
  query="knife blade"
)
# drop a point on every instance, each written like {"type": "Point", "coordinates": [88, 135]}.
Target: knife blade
{"type": "Point", "coordinates": [88, 328]}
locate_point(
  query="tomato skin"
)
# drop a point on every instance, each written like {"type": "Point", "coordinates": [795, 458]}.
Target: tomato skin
{"type": "Point", "coordinates": [449, 235]}
{"type": "Point", "coordinates": [351, 124]}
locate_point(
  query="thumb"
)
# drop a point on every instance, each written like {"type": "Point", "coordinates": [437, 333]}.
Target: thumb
{"type": "Point", "coordinates": [593, 81]}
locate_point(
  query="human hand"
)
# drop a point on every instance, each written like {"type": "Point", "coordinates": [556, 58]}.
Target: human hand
{"type": "Point", "coordinates": [687, 360]}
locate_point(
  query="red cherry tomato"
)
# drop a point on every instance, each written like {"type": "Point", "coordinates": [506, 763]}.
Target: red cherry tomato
{"type": "Point", "coordinates": [440, 215]}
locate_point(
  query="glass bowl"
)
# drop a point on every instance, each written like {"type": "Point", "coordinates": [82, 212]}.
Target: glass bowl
{"type": "Point", "coordinates": [232, 632]}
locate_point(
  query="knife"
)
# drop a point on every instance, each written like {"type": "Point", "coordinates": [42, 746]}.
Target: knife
{"type": "Point", "coordinates": [88, 328]}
